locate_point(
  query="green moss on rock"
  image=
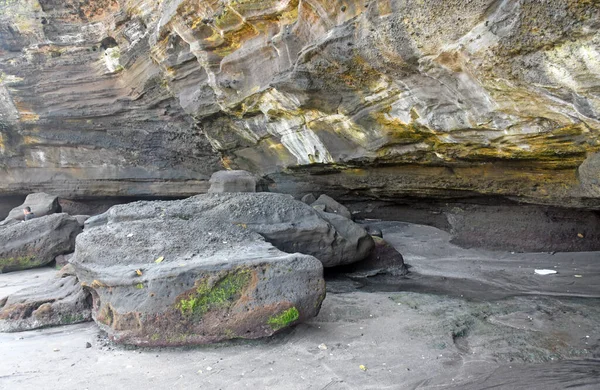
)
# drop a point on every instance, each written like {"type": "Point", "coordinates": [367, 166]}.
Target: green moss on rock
{"type": "Point", "coordinates": [284, 319]}
{"type": "Point", "coordinates": [218, 296]}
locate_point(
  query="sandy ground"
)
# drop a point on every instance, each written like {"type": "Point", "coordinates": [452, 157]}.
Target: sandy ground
{"type": "Point", "coordinates": [463, 319]}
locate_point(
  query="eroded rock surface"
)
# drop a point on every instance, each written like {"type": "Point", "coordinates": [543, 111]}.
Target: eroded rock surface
{"type": "Point", "coordinates": [194, 271]}
{"type": "Point", "coordinates": [208, 268]}
{"type": "Point", "coordinates": [41, 204]}
{"type": "Point", "coordinates": [36, 242]}
{"type": "Point", "coordinates": [388, 97]}
{"type": "Point", "coordinates": [232, 181]}
{"type": "Point", "coordinates": [62, 301]}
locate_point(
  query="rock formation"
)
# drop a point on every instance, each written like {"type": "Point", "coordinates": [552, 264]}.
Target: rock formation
{"type": "Point", "coordinates": [36, 242]}
{"type": "Point", "coordinates": [41, 204]}
{"type": "Point", "coordinates": [232, 181]}
{"type": "Point", "coordinates": [196, 270]}
{"type": "Point", "coordinates": [61, 302]}
{"type": "Point", "coordinates": [371, 99]}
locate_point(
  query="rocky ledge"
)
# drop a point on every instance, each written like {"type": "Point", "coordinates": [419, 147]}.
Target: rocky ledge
{"type": "Point", "coordinates": [360, 99]}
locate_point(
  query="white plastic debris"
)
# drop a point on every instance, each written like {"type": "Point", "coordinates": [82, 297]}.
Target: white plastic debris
{"type": "Point", "coordinates": [545, 272]}
{"type": "Point", "coordinates": [322, 347]}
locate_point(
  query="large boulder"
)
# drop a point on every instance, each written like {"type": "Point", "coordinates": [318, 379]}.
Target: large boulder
{"type": "Point", "coordinates": [288, 224]}
{"type": "Point", "coordinates": [232, 181]}
{"type": "Point", "coordinates": [61, 302]}
{"type": "Point", "coordinates": [36, 242]}
{"type": "Point", "coordinates": [194, 271]}
{"type": "Point", "coordinates": [41, 204]}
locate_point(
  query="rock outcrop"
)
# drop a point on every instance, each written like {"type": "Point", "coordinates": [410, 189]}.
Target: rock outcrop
{"type": "Point", "coordinates": [36, 242]}
{"type": "Point", "coordinates": [332, 206]}
{"type": "Point", "coordinates": [195, 271]}
{"type": "Point", "coordinates": [378, 99]}
{"type": "Point", "coordinates": [61, 302]}
{"type": "Point", "coordinates": [289, 225]}
{"type": "Point", "coordinates": [41, 204]}
{"type": "Point", "coordinates": [232, 181]}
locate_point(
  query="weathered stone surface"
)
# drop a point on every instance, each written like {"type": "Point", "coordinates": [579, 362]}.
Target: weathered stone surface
{"type": "Point", "coordinates": [62, 260]}
{"type": "Point", "coordinates": [353, 243]}
{"type": "Point", "coordinates": [309, 199]}
{"type": "Point", "coordinates": [332, 206]}
{"type": "Point", "coordinates": [81, 219]}
{"type": "Point", "coordinates": [383, 259]}
{"type": "Point", "coordinates": [41, 204]}
{"type": "Point", "coordinates": [288, 224]}
{"type": "Point", "coordinates": [382, 99]}
{"type": "Point", "coordinates": [183, 272]}
{"type": "Point", "coordinates": [61, 302]}
{"type": "Point", "coordinates": [232, 181]}
{"type": "Point", "coordinates": [36, 242]}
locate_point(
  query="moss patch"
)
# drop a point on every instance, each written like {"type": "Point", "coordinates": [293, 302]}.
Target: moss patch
{"type": "Point", "coordinates": [17, 263]}
{"type": "Point", "coordinates": [220, 295]}
{"type": "Point", "coordinates": [284, 319]}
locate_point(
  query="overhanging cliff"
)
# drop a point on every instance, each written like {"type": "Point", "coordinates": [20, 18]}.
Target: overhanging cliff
{"type": "Point", "coordinates": [381, 99]}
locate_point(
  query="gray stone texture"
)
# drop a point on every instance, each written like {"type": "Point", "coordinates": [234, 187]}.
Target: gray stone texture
{"type": "Point", "coordinates": [36, 242]}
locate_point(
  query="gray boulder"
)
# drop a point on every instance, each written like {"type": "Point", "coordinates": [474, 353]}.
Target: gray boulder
{"type": "Point", "coordinates": [288, 224]}
{"type": "Point", "coordinates": [194, 271]}
{"type": "Point", "coordinates": [332, 206]}
{"type": "Point", "coordinates": [353, 243]}
{"type": "Point", "coordinates": [61, 302]}
{"type": "Point", "coordinates": [309, 199]}
{"type": "Point", "coordinates": [81, 219]}
{"type": "Point", "coordinates": [232, 181]}
{"type": "Point", "coordinates": [36, 242]}
{"type": "Point", "coordinates": [41, 204]}
{"type": "Point", "coordinates": [383, 259]}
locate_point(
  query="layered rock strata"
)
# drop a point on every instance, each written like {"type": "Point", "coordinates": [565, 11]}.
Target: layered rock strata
{"type": "Point", "coordinates": [378, 99]}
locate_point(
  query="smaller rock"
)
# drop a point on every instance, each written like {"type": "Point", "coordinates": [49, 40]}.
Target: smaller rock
{"type": "Point", "coordinates": [319, 207]}
{"type": "Point", "coordinates": [41, 204]}
{"type": "Point", "coordinates": [62, 260]}
{"type": "Point", "coordinates": [88, 345]}
{"type": "Point", "coordinates": [309, 199]}
{"type": "Point", "coordinates": [384, 259]}
{"type": "Point", "coordinates": [232, 181]}
{"type": "Point", "coordinates": [62, 301]}
{"type": "Point", "coordinates": [37, 242]}
{"type": "Point", "coordinates": [81, 219]}
{"type": "Point", "coordinates": [332, 206]}
{"type": "Point", "coordinates": [67, 270]}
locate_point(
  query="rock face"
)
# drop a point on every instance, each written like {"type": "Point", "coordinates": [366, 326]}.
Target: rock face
{"type": "Point", "coordinates": [232, 181]}
{"type": "Point", "coordinates": [41, 204]}
{"type": "Point", "coordinates": [61, 302]}
{"type": "Point", "coordinates": [36, 242]}
{"type": "Point", "coordinates": [181, 272]}
{"type": "Point", "coordinates": [332, 206]}
{"type": "Point", "coordinates": [379, 99]}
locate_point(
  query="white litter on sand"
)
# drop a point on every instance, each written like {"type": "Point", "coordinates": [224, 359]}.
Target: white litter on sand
{"type": "Point", "coordinates": [545, 272]}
